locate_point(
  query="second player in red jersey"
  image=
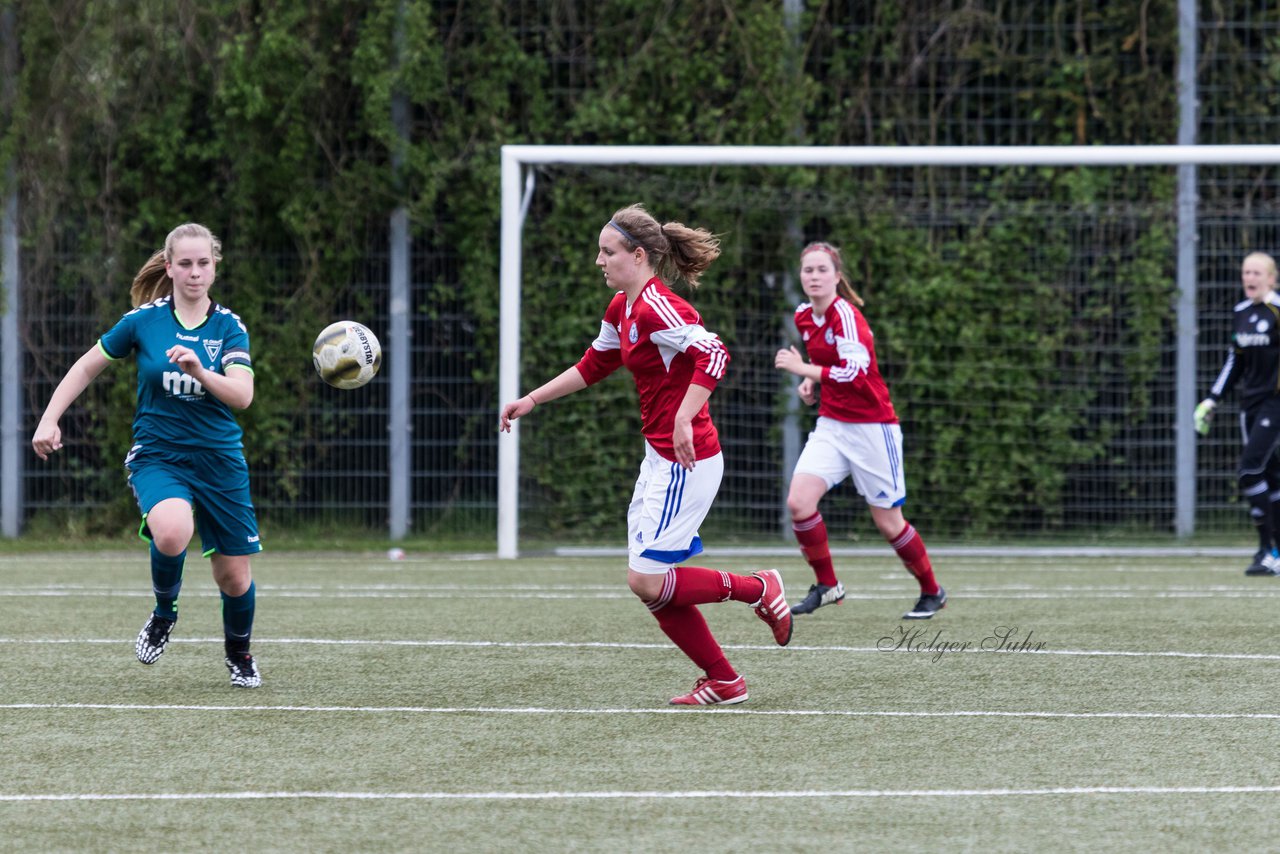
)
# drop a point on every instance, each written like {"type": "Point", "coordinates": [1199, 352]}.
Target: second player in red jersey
{"type": "Point", "coordinates": [857, 435]}
{"type": "Point", "coordinates": [838, 340]}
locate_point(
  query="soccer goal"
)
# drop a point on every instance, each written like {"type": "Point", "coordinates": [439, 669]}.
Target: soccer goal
{"type": "Point", "coordinates": [1045, 316]}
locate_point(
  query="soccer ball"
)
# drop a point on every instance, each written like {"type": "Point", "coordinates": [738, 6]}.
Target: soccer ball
{"type": "Point", "coordinates": [346, 354]}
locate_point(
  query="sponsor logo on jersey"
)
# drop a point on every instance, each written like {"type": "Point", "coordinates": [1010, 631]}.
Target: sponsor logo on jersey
{"type": "Point", "coordinates": [1252, 339]}
{"type": "Point", "coordinates": [178, 384]}
{"type": "Point", "coordinates": [213, 348]}
{"type": "Point", "coordinates": [634, 334]}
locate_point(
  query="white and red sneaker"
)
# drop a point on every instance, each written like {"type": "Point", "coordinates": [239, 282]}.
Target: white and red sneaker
{"type": "Point", "coordinates": [713, 692]}
{"type": "Point", "coordinates": [773, 607]}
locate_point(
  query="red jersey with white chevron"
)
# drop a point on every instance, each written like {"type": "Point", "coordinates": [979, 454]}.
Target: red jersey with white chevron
{"type": "Point", "coordinates": [841, 342]}
{"type": "Point", "coordinates": [661, 340]}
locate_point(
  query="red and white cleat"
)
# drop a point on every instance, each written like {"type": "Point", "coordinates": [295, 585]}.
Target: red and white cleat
{"type": "Point", "coordinates": [773, 607]}
{"type": "Point", "coordinates": [713, 692]}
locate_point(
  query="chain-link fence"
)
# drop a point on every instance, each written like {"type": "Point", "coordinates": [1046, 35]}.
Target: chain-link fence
{"type": "Point", "coordinates": [1080, 252]}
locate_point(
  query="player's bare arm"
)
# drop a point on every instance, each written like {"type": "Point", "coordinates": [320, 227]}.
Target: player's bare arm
{"type": "Point", "coordinates": [48, 436]}
{"type": "Point", "coordinates": [790, 360]}
{"type": "Point", "coordinates": [566, 383]}
{"type": "Point", "coordinates": [682, 430]}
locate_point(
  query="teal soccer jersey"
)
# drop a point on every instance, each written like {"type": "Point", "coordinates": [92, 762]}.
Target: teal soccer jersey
{"type": "Point", "coordinates": [174, 410]}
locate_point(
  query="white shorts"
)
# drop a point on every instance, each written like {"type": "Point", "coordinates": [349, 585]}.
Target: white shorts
{"type": "Point", "coordinates": [869, 453]}
{"type": "Point", "coordinates": [667, 508]}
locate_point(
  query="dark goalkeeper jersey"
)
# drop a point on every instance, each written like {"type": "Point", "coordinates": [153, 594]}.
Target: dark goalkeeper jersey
{"type": "Point", "coordinates": [174, 411]}
{"type": "Point", "coordinates": [1253, 359]}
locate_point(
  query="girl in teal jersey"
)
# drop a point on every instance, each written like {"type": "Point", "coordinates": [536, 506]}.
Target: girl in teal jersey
{"type": "Point", "coordinates": [186, 466]}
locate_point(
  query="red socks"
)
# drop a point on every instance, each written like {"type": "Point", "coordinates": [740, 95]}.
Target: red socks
{"type": "Point", "coordinates": [694, 585]}
{"type": "Point", "coordinates": [911, 549]}
{"type": "Point", "coordinates": [811, 534]}
{"type": "Point", "coordinates": [688, 630]}
{"type": "Point", "coordinates": [684, 588]}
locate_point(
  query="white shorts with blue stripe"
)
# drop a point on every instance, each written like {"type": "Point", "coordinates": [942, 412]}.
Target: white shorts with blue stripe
{"type": "Point", "coordinates": [667, 508]}
{"type": "Point", "coordinates": [869, 453]}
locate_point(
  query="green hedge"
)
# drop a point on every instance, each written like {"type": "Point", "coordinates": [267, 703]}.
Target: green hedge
{"type": "Point", "coordinates": [272, 123]}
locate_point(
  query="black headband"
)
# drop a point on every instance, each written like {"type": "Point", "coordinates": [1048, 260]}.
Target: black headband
{"type": "Point", "coordinates": [624, 233]}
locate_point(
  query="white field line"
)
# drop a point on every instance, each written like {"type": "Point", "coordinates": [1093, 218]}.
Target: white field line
{"type": "Point", "coordinates": [781, 549]}
{"type": "Point", "coordinates": [545, 596]}
{"type": "Point", "coordinates": [335, 594]}
{"type": "Point", "coordinates": [921, 647]}
{"type": "Point", "coordinates": [895, 584]}
{"type": "Point", "coordinates": [337, 559]}
{"type": "Point", "coordinates": [873, 592]}
{"type": "Point", "coordinates": [659, 710]}
{"type": "Point", "coordinates": [1057, 791]}
{"type": "Point", "coordinates": [1119, 562]}
{"type": "Point", "coordinates": [1004, 552]}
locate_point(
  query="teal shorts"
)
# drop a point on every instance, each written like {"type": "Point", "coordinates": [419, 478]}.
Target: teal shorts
{"type": "Point", "coordinates": [214, 483]}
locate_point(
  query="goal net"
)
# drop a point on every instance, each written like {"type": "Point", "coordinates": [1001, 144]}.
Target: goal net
{"type": "Point", "coordinates": [1035, 313]}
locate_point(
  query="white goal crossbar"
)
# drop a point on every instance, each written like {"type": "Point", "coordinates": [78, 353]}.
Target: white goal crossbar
{"type": "Point", "coordinates": [517, 191]}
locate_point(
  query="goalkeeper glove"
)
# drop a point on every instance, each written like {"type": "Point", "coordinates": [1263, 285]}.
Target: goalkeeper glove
{"type": "Point", "coordinates": [1204, 411]}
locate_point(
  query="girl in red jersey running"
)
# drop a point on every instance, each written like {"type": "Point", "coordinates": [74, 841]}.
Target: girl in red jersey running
{"type": "Point", "coordinates": [857, 434]}
{"type": "Point", "coordinates": [676, 363]}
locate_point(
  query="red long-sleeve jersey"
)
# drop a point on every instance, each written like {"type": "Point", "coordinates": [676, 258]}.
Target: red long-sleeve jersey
{"type": "Point", "coordinates": [841, 342]}
{"type": "Point", "coordinates": [662, 342]}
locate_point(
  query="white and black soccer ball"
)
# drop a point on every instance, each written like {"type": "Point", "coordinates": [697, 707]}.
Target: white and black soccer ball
{"type": "Point", "coordinates": [346, 354]}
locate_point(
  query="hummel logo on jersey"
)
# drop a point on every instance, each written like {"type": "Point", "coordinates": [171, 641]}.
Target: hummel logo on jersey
{"type": "Point", "coordinates": [1252, 339]}
{"type": "Point", "coordinates": [182, 337]}
{"type": "Point", "coordinates": [213, 348]}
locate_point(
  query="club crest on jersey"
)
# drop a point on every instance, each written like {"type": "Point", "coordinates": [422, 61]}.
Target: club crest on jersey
{"type": "Point", "coordinates": [634, 334]}
{"type": "Point", "coordinates": [830, 336]}
{"type": "Point", "coordinates": [213, 348]}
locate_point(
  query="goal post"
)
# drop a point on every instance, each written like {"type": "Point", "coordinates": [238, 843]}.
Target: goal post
{"type": "Point", "coordinates": [518, 186]}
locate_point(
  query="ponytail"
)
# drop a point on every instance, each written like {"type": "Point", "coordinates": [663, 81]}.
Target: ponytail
{"type": "Point", "coordinates": [673, 247]}
{"type": "Point", "coordinates": [152, 281]}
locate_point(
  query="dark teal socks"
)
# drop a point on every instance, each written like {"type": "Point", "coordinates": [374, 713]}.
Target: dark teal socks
{"type": "Point", "coordinates": [166, 581]}
{"type": "Point", "coordinates": [237, 620]}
